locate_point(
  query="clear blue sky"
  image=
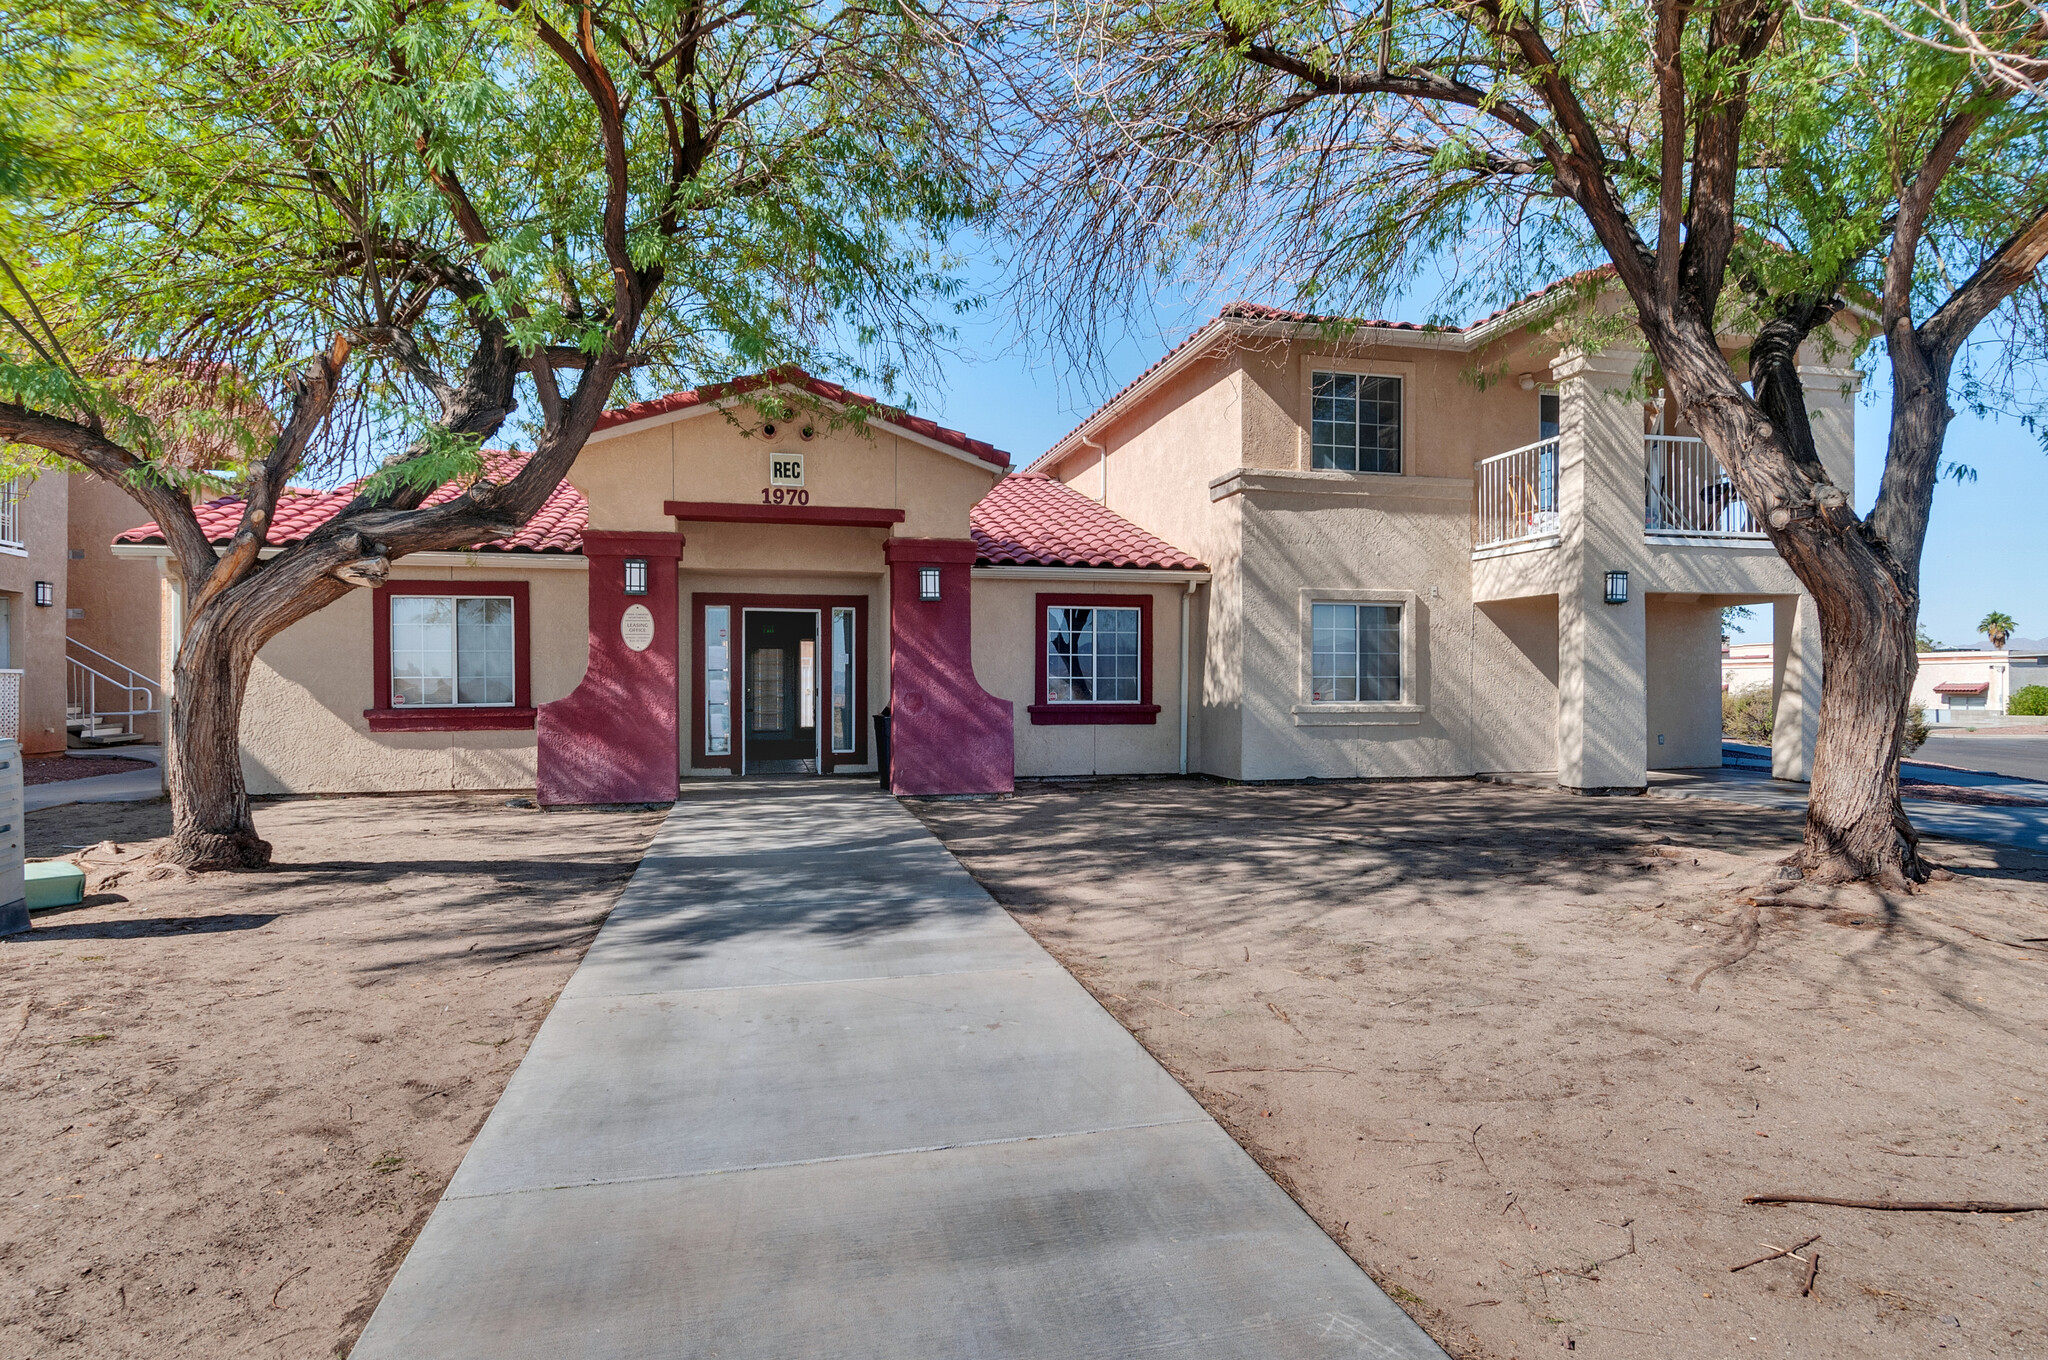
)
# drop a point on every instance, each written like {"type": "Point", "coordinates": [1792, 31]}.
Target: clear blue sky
{"type": "Point", "coordinates": [1987, 548]}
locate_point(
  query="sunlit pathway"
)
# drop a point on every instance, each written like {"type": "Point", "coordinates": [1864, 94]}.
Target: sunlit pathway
{"type": "Point", "coordinates": [812, 1093]}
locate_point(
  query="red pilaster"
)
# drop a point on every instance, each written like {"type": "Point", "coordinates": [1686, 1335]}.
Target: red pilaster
{"type": "Point", "coordinates": [614, 739]}
{"type": "Point", "coordinates": [947, 734]}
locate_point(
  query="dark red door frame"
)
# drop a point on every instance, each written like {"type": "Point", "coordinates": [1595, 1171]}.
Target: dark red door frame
{"type": "Point", "coordinates": [822, 605]}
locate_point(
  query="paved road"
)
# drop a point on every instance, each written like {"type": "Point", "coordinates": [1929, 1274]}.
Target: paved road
{"type": "Point", "coordinates": [2020, 757]}
{"type": "Point", "coordinates": [2021, 827]}
{"type": "Point", "coordinates": [813, 1094]}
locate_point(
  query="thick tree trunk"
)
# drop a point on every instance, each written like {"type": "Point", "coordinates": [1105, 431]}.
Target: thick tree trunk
{"type": "Point", "coordinates": [1855, 827]}
{"type": "Point", "coordinates": [210, 823]}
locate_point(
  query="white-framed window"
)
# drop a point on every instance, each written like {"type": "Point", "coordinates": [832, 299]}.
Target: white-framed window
{"type": "Point", "coordinates": [1355, 653]}
{"type": "Point", "coordinates": [451, 651]}
{"type": "Point", "coordinates": [11, 492]}
{"type": "Point", "coordinates": [1091, 655]}
{"type": "Point", "coordinates": [845, 720]}
{"type": "Point", "coordinates": [1355, 422]}
{"type": "Point", "coordinates": [717, 680]}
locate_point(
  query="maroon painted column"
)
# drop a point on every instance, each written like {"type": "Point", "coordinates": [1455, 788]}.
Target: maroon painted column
{"type": "Point", "coordinates": [946, 733]}
{"type": "Point", "coordinates": [614, 739]}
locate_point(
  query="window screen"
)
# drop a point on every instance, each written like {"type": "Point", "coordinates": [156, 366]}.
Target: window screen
{"type": "Point", "coordinates": [1355, 422]}
{"type": "Point", "coordinates": [1356, 653]}
{"type": "Point", "coordinates": [1091, 656]}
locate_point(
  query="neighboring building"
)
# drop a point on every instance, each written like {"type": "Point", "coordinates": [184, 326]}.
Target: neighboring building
{"type": "Point", "coordinates": [1952, 685]}
{"type": "Point", "coordinates": [60, 587]}
{"type": "Point", "coordinates": [1277, 555]}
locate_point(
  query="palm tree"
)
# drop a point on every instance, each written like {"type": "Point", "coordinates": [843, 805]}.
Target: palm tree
{"type": "Point", "coordinates": [1996, 626]}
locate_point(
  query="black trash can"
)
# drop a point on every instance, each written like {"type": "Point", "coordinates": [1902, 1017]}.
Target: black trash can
{"type": "Point", "coordinates": [882, 747]}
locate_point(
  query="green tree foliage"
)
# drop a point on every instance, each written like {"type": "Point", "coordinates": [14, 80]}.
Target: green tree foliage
{"type": "Point", "coordinates": [1996, 627]}
{"type": "Point", "coordinates": [286, 238]}
{"type": "Point", "coordinates": [2029, 701]}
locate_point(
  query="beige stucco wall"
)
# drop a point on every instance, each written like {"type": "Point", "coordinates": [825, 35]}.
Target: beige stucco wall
{"type": "Point", "coordinates": [1514, 685]}
{"type": "Point", "coordinates": [630, 473]}
{"type": "Point", "coordinates": [36, 635]}
{"type": "Point", "coordinates": [1684, 683]}
{"type": "Point", "coordinates": [1005, 662]}
{"type": "Point", "coordinates": [1391, 534]}
{"type": "Point", "coordinates": [303, 729]}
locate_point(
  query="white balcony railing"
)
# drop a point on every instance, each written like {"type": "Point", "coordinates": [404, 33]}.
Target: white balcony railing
{"type": "Point", "coordinates": [1687, 494]}
{"type": "Point", "coordinates": [1517, 495]}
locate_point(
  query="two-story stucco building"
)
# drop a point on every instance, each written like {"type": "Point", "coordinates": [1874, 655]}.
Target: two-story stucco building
{"type": "Point", "coordinates": [1289, 550]}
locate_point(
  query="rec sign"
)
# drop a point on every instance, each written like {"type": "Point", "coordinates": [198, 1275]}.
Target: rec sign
{"type": "Point", "coordinates": [785, 469]}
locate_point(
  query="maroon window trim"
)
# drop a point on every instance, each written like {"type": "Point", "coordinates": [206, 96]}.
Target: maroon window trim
{"type": "Point", "coordinates": [386, 718]}
{"type": "Point", "coordinates": [824, 605]}
{"type": "Point", "coordinates": [1144, 712]}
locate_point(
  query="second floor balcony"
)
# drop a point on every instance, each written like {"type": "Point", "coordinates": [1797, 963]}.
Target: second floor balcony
{"type": "Point", "coordinates": [1687, 498]}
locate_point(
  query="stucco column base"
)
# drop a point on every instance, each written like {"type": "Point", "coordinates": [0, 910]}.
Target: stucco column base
{"type": "Point", "coordinates": [615, 738]}
{"type": "Point", "coordinates": [947, 735]}
{"type": "Point", "coordinates": [1795, 686]}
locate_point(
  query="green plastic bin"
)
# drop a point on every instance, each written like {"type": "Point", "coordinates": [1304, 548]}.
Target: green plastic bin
{"type": "Point", "coordinates": [55, 883]}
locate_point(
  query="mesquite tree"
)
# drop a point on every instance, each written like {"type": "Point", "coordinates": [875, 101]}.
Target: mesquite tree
{"type": "Point", "coordinates": [299, 231]}
{"type": "Point", "coordinates": [1746, 167]}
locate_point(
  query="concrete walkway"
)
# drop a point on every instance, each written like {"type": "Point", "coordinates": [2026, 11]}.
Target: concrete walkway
{"type": "Point", "coordinates": [130, 786]}
{"type": "Point", "coordinates": [812, 1093]}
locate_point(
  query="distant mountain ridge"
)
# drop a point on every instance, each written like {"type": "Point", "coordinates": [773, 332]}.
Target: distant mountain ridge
{"type": "Point", "coordinates": [2020, 644]}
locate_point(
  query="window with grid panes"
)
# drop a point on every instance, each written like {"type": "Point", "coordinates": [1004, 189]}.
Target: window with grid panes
{"type": "Point", "coordinates": [1091, 656]}
{"type": "Point", "coordinates": [1356, 656]}
{"type": "Point", "coordinates": [451, 651]}
{"type": "Point", "coordinates": [1355, 423]}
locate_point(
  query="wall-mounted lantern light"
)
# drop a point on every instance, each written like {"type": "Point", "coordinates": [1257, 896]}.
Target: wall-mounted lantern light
{"type": "Point", "coordinates": [636, 576]}
{"type": "Point", "coordinates": [928, 583]}
{"type": "Point", "coordinates": [1617, 587]}
{"type": "Point", "coordinates": [46, 594]}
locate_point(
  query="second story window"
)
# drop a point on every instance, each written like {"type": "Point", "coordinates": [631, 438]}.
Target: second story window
{"type": "Point", "coordinates": [1355, 425]}
{"type": "Point", "coordinates": [10, 513]}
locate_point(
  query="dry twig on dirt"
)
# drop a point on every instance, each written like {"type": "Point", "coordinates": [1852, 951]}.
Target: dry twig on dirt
{"type": "Point", "coordinates": [1776, 1253]}
{"type": "Point", "coordinates": [1910, 1206]}
{"type": "Point", "coordinates": [1747, 931]}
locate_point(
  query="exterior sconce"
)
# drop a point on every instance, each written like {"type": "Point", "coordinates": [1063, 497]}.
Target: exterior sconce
{"type": "Point", "coordinates": [636, 576]}
{"type": "Point", "coordinates": [46, 594]}
{"type": "Point", "coordinates": [927, 583]}
{"type": "Point", "coordinates": [1527, 382]}
{"type": "Point", "coordinates": [1617, 587]}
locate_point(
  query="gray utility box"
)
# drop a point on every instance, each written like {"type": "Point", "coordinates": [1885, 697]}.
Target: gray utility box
{"type": "Point", "coordinates": [13, 879]}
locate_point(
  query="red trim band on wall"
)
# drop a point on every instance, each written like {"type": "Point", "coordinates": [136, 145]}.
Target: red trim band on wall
{"type": "Point", "coordinates": [1143, 713]}
{"type": "Point", "coordinates": [384, 716]}
{"type": "Point", "coordinates": [741, 512]}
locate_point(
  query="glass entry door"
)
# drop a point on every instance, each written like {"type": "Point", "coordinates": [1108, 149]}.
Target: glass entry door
{"type": "Point", "coordinates": [779, 686]}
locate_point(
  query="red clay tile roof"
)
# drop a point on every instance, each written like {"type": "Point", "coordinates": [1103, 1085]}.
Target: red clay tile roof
{"type": "Point", "coordinates": [557, 528]}
{"type": "Point", "coordinates": [817, 387]}
{"type": "Point", "coordinates": [1962, 687]}
{"type": "Point", "coordinates": [1033, 521]}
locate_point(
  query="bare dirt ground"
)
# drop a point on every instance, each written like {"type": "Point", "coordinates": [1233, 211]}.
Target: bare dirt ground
{"type": "Point", "coordinates": [1510, 1049]}
{"type": "Point", "coordinates": [230, 1101]}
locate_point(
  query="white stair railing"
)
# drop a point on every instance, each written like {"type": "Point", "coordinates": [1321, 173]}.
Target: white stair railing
{"type": "Point", "coordinates": [1517, 493]}
{"type": "Point", "coordinates": [1686, 492]}
{"type": "Point", "coordinates": [98, 688]}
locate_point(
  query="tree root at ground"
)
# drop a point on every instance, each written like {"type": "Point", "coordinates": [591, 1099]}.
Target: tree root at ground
{"type": "Point", "coordinates": [1748, 931]}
